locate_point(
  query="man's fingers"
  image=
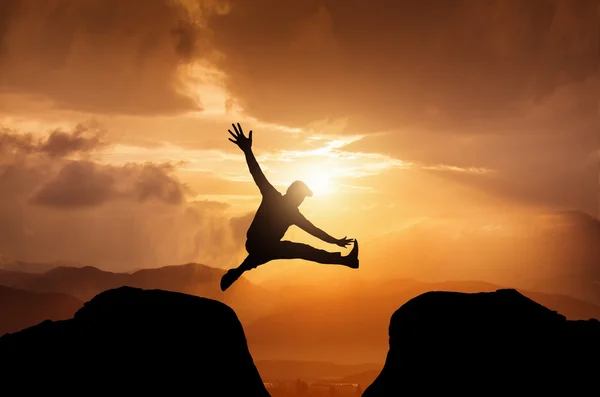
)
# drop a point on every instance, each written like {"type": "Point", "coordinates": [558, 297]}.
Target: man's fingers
{"type": "Point", "coordinates": [238, 131]}
{"type": "Point", "coordinates": [232, 140]}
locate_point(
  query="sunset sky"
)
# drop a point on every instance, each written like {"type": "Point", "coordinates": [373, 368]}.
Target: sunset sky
{"type": "Point", "coordinates": [114, 147]}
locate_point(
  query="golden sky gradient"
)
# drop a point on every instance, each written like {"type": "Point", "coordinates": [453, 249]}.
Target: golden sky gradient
{"type": "Point", "coordinates": [114, 118]}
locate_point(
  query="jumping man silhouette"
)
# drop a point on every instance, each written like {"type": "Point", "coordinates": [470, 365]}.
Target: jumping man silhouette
{"type": "Point", "coordinates": [274, 216]}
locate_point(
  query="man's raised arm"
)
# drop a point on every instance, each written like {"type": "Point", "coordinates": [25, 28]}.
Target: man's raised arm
{"type": "Point", "coordinates": [245, 143]}
{"type": "Point", "coordinates": [259, 177]}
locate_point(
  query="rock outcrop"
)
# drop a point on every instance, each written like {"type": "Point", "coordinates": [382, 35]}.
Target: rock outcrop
{"type": "Point", "coordinates": [135, 341]}
{"type": "Point", "coordinates": [481, 343]}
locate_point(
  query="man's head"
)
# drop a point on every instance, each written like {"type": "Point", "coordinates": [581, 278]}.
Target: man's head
{"type": "Point", "coordinates": [297, 192]}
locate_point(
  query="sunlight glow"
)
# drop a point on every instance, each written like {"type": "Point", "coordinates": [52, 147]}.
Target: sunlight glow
{"type": "Point", "coordinates": [320, 176]}
{"type": "Point", "coordinates": [320, 183]}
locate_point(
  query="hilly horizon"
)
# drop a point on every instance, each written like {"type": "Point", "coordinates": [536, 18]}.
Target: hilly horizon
{"type": "Point", "coordinates": [343, 324]}
{"type": "Point", "coordinates": [110, 325]}
{"type": "Point", "coordinates": [548, 251]}
{"type": "Point", "coordinates": [33, 267]}
{"type": "Point", "coordinates": [20, 309]}
{"type": "Point", "coordinates": [87, 281]}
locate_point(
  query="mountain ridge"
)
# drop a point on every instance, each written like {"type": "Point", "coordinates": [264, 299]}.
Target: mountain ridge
{"type": "Point", "coordinates": [20, 309]}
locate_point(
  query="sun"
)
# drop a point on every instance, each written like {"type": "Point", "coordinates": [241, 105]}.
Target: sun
{"type": "Point", "coordinates": [319, 182]}
{"type": "Point", "coordinates": [320, 177]}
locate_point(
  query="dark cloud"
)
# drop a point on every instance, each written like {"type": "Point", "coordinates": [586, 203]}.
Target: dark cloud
{"type": "Point", "coordinates": [402, 64]}
{"type": "Point", "coordinates": [77, 184]}
{"type": "Point", "coordinates": [8, 10]}
{"type": "Point", "coordinates": [384, 65]}
{"type": "Point", "coordinates": [102, 56]}
{"type": "Point", "coordinates": [84, 183]}
{"type": "Point", "coordinates": [153, 181]}
{"type": "Point", "coordinates": [66, 183]}
{"type": "Point", "coordinates": [58, 143]}
{"type": "Point", "coordinates": [61, 143]}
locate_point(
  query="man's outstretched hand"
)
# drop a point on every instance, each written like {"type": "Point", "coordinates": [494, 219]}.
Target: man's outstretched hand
{"type": "Point", "coordinates": [344, 242]}
{"type": "Point", "coordinates": [245, 143]}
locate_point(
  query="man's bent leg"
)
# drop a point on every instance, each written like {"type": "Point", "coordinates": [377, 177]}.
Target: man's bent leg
{"type": "Point", "coordinates": [232, 275]}
{"type": "Point", "coordinates": [259, 254]}
{"type": "Point", "coordinates": [251, 262]}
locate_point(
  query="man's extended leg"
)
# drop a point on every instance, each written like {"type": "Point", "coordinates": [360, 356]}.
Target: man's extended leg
{"type": "Point", "coordinates": [288, 250]}
{"type": "Point", "coordinates": [292, 250]}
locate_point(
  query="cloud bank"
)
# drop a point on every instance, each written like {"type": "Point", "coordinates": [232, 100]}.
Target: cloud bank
{"type": "Point", "coordinates": [57, 203]}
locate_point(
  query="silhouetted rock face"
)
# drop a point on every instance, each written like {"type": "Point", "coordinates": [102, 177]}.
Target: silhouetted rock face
{"type": "Point", "coordinates": [134, 340]}
{"type": "Point", "coordinates": [483, 342]}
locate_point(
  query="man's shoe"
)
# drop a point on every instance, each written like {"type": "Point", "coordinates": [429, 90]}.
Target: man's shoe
{"type": "Point", "coordinates": [230, 277]}
{"type": "Point", "coordinates": [352, 258]}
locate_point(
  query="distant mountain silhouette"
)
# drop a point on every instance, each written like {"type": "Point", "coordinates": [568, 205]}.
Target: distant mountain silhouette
{"type": "Point", "coordinates": [129, 340]}
{"type": "Point", "coordinates": [555, 252]}
{"type": "Point", "coordinates": [18, 280]}
{"type": "Point", "coordinates": [195, 279]}
{"type": "Point", "coordinates": [285, 370]}
{"type": "Point", "coordinates": [572, 308]}
{"type": "Point", "coordinates": [34, 267]}
{"type": "Point", "coordinates": [20, 309]}
{"type": "Point", "coordinates": [364, 379]}
{"type": "Point", "coordinates": [81, 282]}
{"type": "Point", "coordinates": [88, 281]}
{"type": "Point", "coordinates": [349, 324]}
{"type": "Point", "coordinates": [469, 343]}
{"type": "Point", "coordinates": [587, 225]}
{"type": "Point", "coordinates": [345, 324]}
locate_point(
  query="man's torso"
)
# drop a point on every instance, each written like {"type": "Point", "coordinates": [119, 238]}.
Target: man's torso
{"type": "Point", "coordinates": [273, 217]}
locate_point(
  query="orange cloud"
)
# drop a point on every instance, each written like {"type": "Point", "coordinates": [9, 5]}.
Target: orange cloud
{"type": "Point", "coordinates": [58, 203]}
